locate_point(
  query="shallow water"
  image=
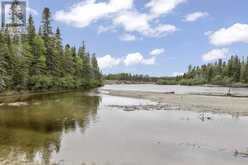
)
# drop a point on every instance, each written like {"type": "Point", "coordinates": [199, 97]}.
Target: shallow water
{"type": "Point", "coordinates": [76, 129]}
{"type": "Point", "coordinates": [178, 89]}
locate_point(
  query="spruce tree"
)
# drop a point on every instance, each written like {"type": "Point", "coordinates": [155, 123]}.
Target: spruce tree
{"type": "Point", "coordinates": [3, 63]}
{"type": "Point", "coordinates": [49, 40]}
{"type": "Point", "coordinates": [95, 67]}
{"type": "Point", "coordinates": [68, 61]}
{"type": "Point", "coordinates": [31, 33]}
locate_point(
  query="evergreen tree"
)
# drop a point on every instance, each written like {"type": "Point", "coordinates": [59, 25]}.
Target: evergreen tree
{"type": "Point", "coordinates": [3, 63]}
{"type": "Point", "coordinates": [49, 41]}
{"type": "Point", "coordinates": [58, 52]}
{"type": "Point", "coordinates": [31, 30]}
{"type": "Point", "coordinates": [59, 46]}
{"type": "Point", "coordinates": [96, 70]}
{"type": "Point", "coordinates": [221, 72]}
{"type": "Point", "coordinates": [87, 67]}
{"type": "Point", "coordinates": [68, 61]}
{"type": "Point", "coordinates": [38, 61]}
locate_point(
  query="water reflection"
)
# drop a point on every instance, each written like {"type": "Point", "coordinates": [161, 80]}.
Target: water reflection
{"type": "Point", "coordinates": [37, 128]}
{"type": "Point", "coordinates": [73, 128]}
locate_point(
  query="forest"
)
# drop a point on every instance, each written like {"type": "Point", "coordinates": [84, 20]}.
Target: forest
{"type": "Point", "coordinates": [234, 71]}
{"type": "Point", "coordinates": [130, 77]}
{"type": "Point", "coordinates": [37, 60]}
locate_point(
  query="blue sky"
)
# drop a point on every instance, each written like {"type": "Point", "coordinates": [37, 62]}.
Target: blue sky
{"type": "Point", "coordinates": [155, 37]}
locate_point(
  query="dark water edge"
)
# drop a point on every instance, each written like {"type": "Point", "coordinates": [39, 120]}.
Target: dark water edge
{"type": "Point", "coordinates": [35, 124]}
{"type": "Point", "coordinates": [12, 96]}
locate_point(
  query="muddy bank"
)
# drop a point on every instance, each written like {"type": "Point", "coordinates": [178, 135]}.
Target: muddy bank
{"type": "Point", "coordinates": [192, 102]}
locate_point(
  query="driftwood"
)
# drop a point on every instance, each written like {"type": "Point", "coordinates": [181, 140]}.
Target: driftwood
{"type": "Point", "coordinates": [169, 93]}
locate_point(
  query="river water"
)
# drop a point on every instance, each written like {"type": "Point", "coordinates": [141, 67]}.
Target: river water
{"type": "Point", "coordinates": [77, 128]}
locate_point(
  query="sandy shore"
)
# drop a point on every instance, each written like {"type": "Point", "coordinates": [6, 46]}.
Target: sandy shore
{"type": "Point", "coordinates": [197, 103]}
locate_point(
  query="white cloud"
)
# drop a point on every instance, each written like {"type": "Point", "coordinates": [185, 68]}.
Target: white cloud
{"type": "Point", "coordinates": [227, 36]}
{"type": "Point", "coordinates": [108, 61]}
{"type": "Point", "coordinates": [128, 37]}
{"type": "Point", "coordinates": [162, 30]}
{"type": "Point", "coordinates": [215, 54]}
{"type": "Point", "coordinates": [157, 51]}
{"type": "Point", "coordinates": [130, 59]}
{"type": "Point", "coordinates": [103, 29]}
{"type": "Point", "coordinates": [137, 58]}
{"type": "Point", "coordinates": [121, 13]}
{"type": "Point", "coordinates": [158, 7]}
{"type": "Point", "coordinates": [149, 61]}
{"type": "Point", "coordinates": [195, 16]}
{"type": "Point", "coordinates": [133, 21]}
{"type": "Point", "coordinates": [84, 13]}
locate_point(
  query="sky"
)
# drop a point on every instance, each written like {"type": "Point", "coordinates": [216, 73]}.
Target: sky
{"type": "Point", "coordinates": [155, 37]}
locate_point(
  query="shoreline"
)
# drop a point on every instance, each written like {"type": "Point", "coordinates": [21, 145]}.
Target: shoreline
{"type": "Point", "coordinates": [119, 82]}
{"type": "Point", "coordinates": [197, 103]}
{"type": "Point", "coordinates": [12, 95]}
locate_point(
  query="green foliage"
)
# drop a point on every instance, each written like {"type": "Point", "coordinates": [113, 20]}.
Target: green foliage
{"type": "Point", "coordinates": [191, 82]}
{"type": "Point", "coordinates": [234, 71]}
{"type": "Point", "coordinates": [38, 61]}
{"type": "Point", "coordinates": [130, 77]}
{"type": "Point", "coordinates": [222, 73]}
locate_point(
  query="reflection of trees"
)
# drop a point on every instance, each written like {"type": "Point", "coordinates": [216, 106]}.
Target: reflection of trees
{"type": "Point", "coordinates": [38, 128]}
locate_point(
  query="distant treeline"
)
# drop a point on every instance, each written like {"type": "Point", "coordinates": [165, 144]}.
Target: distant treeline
{"type": "Point", "coordinates": [231, 72]}
{"type": "Point", "coordinates": [131, 77]}
{"type": "Point", "coordinates": [39, 61]}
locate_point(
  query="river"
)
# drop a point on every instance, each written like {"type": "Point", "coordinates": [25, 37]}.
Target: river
{"type": "Point", "coordinates": [79, 128]}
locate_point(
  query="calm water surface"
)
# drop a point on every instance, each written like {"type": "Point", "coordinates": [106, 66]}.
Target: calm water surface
{"type": "Point", "coordinates": [75, 129]}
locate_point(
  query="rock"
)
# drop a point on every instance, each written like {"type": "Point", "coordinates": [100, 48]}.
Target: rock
{"type": "Point", "coordinates": [17, 104]}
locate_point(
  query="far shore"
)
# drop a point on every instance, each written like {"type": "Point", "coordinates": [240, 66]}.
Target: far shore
{"type": "Point", "coordinates": [117, 82]}
{"type": "Point", "coordinates": [198, 103]}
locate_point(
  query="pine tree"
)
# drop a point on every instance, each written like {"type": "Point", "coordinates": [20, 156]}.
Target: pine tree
{"type": "Point", "coordinates": [31, 30]}
{"type": "Point", "coordinates": [82, 51]}
{"type": "Point", "coordinates": [87, 67]}
{"type": "Point", "coordinates": [7, 53]}
{"type": "Point", "coordinates": [38, 61]}
{"type": "Point", "coordinates": [46, 29]}
{"type": "Point", "coordinates": [22, 63]}
{"type": "Point", "coordinates": [59, 45]}
{"type": "Point", "coordinates": [68, 61]}
{"type": "Point", "coordinates": [59, 52]}
{"type": "Point", "coordinates": [48, 38]}
{"type": "Point", "coordinates": [95, 67]}
{"type": "Point", "coordinates": [3, 63]}
{"type": "Point", "coordinates": [31, 34]}
{"type": "Point", "coordinates": [242, 71]}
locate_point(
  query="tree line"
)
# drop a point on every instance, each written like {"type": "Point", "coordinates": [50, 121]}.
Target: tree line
{"type": "Point", "coordinates": [230, 72]}
{"type": "Point", "coordinates": [40, 61]}
{"type": "Point", "coordinates": [233, 71]}
{"type": "Point", "coordinates": [130, 77]}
